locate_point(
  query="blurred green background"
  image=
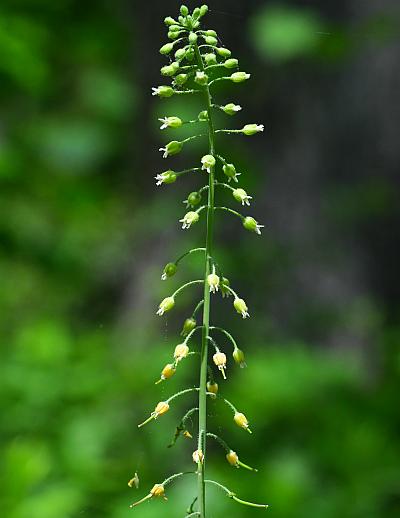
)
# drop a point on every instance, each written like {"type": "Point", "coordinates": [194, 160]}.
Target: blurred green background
{"type": "Point", "coordinates": [85, 234]}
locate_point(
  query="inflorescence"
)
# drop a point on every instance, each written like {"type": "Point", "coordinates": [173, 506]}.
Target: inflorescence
{"type": "Point", "coordinates": [197, 61]}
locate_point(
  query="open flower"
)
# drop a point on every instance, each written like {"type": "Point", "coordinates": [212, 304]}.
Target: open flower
{"type": "Point", "coordinates": [241, 196]}
{"type": "Point", "coordinates": [241, 307]}
{"type": "Point", "coordinates": [208, 162]}
{"type": "Point", "coordinates": [251, 224]}
{"type": "Point", "coordinates": [163, 91]}
{"type": "Point", "coordinates": [231, 108]}
{"type": "Point", "coordinates": [239, 77]}
{"type": "Point", "coordinates": [166, 177]}
{"type": "Point", "coordinates": [189, 219]}
{"type": "Point", "coordinates": [198, 456]}
{"type": "Point", "coordinates": [219, 359]}
{"type": "Point", "coordinates": [229, 170]}
{"type": "Point", "coordinates": [172, 148]}
{"type": "Point", "coordinates": [165, 305]}
{"type": "Point", "coordinates": [241, 420]}
{"type": "Point", "coordinates": [201, 78]}
{"type": "Point", "coordinates": [167, 372]}
{"type": "Point", "coordinates": [232, 458]}
{"type": "Point", "coordinates": [252, 129]}
{"type": "Point", "coordinates": [170, 122]}
{"type": "Point", "coordinates": [157, 491]}
{"type": "Point", "coordinates": [213, 281]}
{"type": "Point", "coordinates": [181, 351]}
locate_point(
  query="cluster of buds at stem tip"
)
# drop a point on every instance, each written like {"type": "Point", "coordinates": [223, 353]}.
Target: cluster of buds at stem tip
{"type": "Point", "coordinates": [213, 281]}
{"type": "Point", "coordinates": [241, 307]}
{"type": "Point", "coordinates": [219, 359]}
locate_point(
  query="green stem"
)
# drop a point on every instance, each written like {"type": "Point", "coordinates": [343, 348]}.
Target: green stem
{"type": "Point", "coordinates": [201, 495]}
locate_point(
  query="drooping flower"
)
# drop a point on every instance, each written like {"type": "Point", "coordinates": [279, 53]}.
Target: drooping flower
{"type": "Point", "coordinates": [241, 307]}
{"type": "Point", "coordinates": [251, 224]}
{"type": "Point", "coordinates": [241, 196]}
{"type": "Point", "coordinates": [189, 219]}
{"type": "Point", "coordinates": [166, 305]}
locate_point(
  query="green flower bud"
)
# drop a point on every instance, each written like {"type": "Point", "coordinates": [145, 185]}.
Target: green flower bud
{"type": "Point", "coordinates": [170, 122]}
{"type": "Point", "coordinates": [241, 196]}
{"type": "Point", "coordinates": [175, 28]}
{"type": "Point", "coordinates": [231, 109]}
{"type": "Point", "coordinates": [203, 9]}
{"type": "Point", "coordinates": [224, 53]}
{"type": "Point", "coordinates": [192, 37]}
{"type": "Point", "coordinates": [229, 170]}
{"type": "Point", "coordinates": [173, 35]}
{"type": "Point", "coordinates": [208, 162]}
{"type": "Point", "coordinates": [203, 115]}
{"type": "Point", "coordinates": [172, 148]}
{"type": "Point", "coordinates": [210, 32]}
{"type": "Point", "coordinates": [231, 63]}
{"type": "Point", "coordinates": [238, 356]}
{"type": "Point", "coordinates": [196, 12]}
{"type": "Point", "coordinates": [211, 40]}
{"type": "Point", "coordinates": [167, 48]}
{"type": "Point", "coordinates": [188, 326]}
{"type": "Point", "coordinates": [193, 199]}
{"type": "Point", "coordinates": [252, 129]}
{"type": "Point", "coordinates": [169, 271]}
{"type": "Point", "coordinates": [180, 54]}
{"type": "Point", "coordinates": [201, 78]}
{"type": "Point", "coordinates": [169, 21]}
{"type": "Point", "coordinates": [190, 54]}
{"type": "Point", "coordinates": [181, 19]}
{"type": "Point", "coordinates": [166, 177]}
{"type": "Point", "coordinates": [239, 77]}
{"type": "Point", "coordinates": [190, 218]}
{"type": "Point", "coordinates": [241, 307]}
{"type": "Point", "coordinates": [251, 224]}
{"type": "Point", "coordinates": [170, 70]}
{"type": "Point", "coordinates": [181, 79]}
{"type": "Point", "coordinates": [184, 10]}
{"type": "Point", "coordinates": [224, 287]}
{"type": "Point", "coordinates": [165, 305]}
{"type": "Point", "coordinates": [210, 58]}
{"type": "Point", "coordinates": [163, 91]}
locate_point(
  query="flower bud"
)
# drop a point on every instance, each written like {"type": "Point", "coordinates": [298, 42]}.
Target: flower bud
{"type": "Point", "coordinates": [198, 456]}
{"type": "Point", "coordinates": [163, 91]}
{"type": "Point", "coordinates": [208, 162]}
{"type": "Point", "coordinates": [166, 177]}
{"type": "Point", "coordinates": [231, 109]}
{"type": "Point", "coordinates": [161, 409]}
{"type": "Point", "coordinates": [158, 491]}
{"type": "Point", "coordinates": [181, 351]}
{"type": "Point", "coordinates": [231, 63]}
{"type": "Point", "coordinates": [169, 21]}
{"type": "Point", "coordinates": [193, 199]}
{"type": "Point", "coordinates": [210, 58]}
{"type": "Point", "coordinates": [187, 434]}
{"type": "Point", "coordinates": [229, 170]}
{"type": "Point", "coordinates": [212, 387]}
{"type": "Point", "coordinates": [239, 77]}
{"type": "Point", "coordinates": [168, 371]}
{"type": "Point", "coordinates": [233, 458]}
{"type": "Point", "coordinates": [241, 196]}
{"type": "Point", "coordinates": [188, 326]}
{"type": "Point", "coordinates": [203, 9]}
{"type": "Point", "coordinates": [181, 79]}
{"type": "Point", "coordinates": [219, 359]}
{"type": "Point", "coordinates": [170, 122]}
{"type": "Point", "coordinates": [251, 224]}
{"type": "Point", "coordinates": [179, 54]}
{"type": "Point", "coordinates": [189, 219]}
{"type": "Point", "coordinates": [240, 306]}
{"type": "Point", "coordinates": [172, 148]}
{"type": "Point", "coordinates": [225, 287]}
{"type": "Point", "coordinates": [203, 116]}
{"type": "Point", "coordinates": [241, 420]}
{"type": "Point", "coordinates": [238, 356]}
{"type": "Point", "coordinates": [252, 129]}
{"type": "Point", "coordinates": [192, 37]}
{"type": "Point", "coordinates": [224, 53]}
{"type": "Point", "coordinates": [201, 78]}
{"type": "Point", "coordinates": [169, 271]}
{"type": "Point", "coordinates": [211, 40]}
{"type": "Point", "coordinates": [213, 282]}
{"type": "Point", "coordinates": [170, 70]}
{"type": "Point", "coordinates": [167, 48]}
{"type": "Point", "coordinates": [173, 35]}
{"type": "Point", "coordinates": [184, 10]}
{"type": "Point", "coordinates": [190, 54]}
{"type": "Point", "coordinates": [166, 305]}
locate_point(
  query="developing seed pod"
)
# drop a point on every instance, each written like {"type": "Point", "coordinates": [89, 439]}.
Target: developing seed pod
{"type": "Point", "coordinates": [241, 420]}
{"type": "Point", "coordinates": [167, 372]}
{"type": "Point", "coordinates": [188, 326]}
{"type": "Point", "coordinates": [238, 356]}
{"type": "Point", "coordinates": [169, 271]}
{"type": "Point", "coordinates": [229, 170]}
{"type": "Point", "coordinates": [193, 199]}
{"type": "Point", "coordinates": [224, 286]}
{"type": "Point", "coordinates": [212, 387]}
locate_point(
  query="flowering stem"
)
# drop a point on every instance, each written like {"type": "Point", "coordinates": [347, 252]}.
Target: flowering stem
{"type": "Point", "coordinates": [201, 490]}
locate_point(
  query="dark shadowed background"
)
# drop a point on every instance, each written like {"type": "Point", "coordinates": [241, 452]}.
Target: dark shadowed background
{"type": "Point", "coordinates": [85, 234]}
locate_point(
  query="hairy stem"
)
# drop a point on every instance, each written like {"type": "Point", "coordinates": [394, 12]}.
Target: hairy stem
{"type": "Point", "coordinates": [201, 495]}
